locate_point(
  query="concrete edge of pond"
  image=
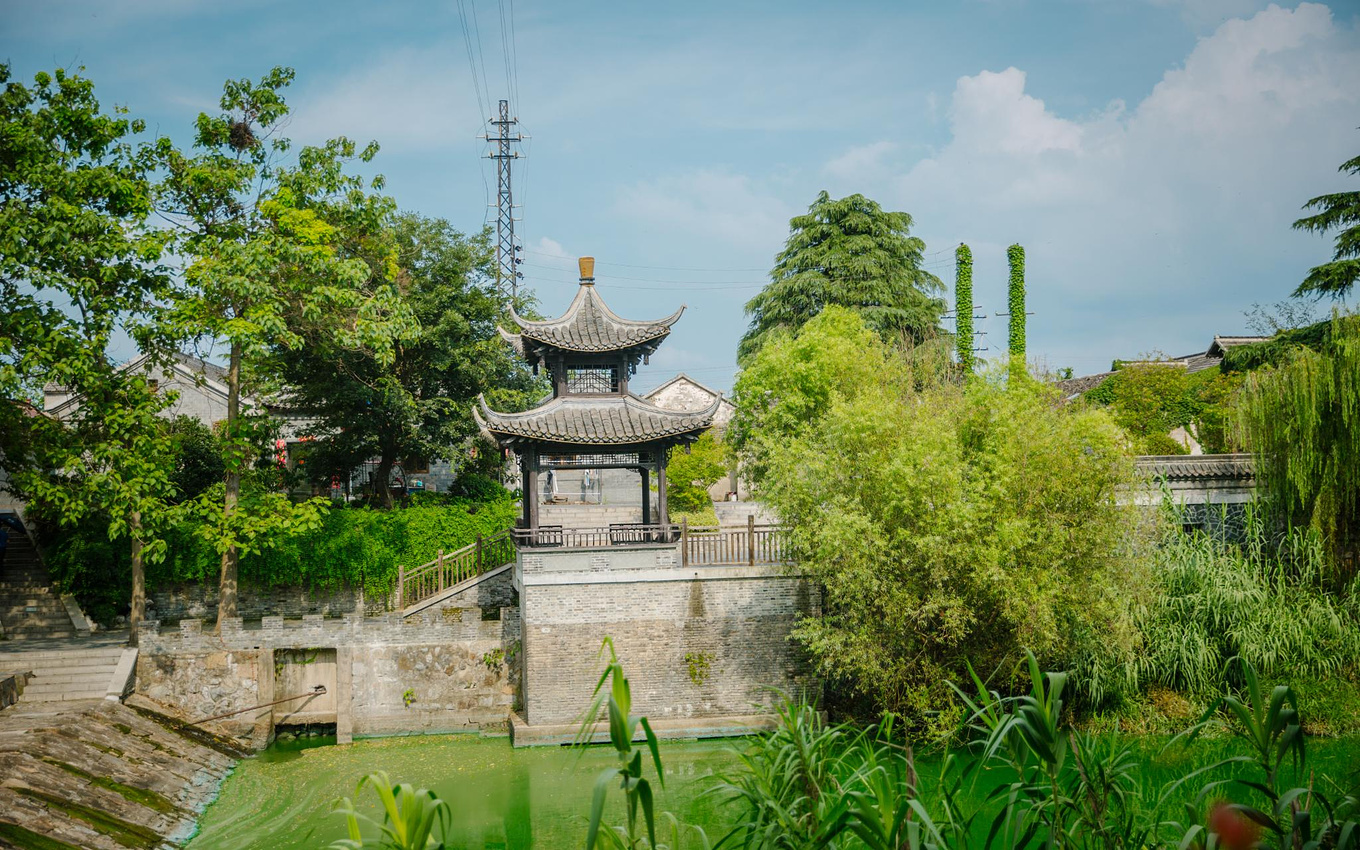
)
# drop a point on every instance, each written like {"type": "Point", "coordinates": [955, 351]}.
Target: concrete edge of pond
{"type": "Point", "coordinates": [667, 729]}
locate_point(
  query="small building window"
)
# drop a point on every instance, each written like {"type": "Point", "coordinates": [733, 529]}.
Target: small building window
{"type": "Point", "coordinates": [417, 466]}
{"type": "Point", "coordinates": [594, 379]}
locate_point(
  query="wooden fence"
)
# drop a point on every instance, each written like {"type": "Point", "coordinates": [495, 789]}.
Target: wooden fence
{"type": "Point", "coordinates": [450, 568]}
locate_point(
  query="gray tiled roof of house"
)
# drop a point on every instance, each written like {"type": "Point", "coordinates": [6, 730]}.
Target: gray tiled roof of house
{"type": "Point", "coordinates": [589, 325]}
{"type": "Point", "coordinates": [612, 420]}
{"type": "Point", "coordinates": [1196, 467]}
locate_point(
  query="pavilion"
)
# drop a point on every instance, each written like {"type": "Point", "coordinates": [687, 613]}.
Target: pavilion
{"type": "Point", "coordinates": [592, 421]}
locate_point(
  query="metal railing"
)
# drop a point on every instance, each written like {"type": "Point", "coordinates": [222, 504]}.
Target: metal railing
{"type": "Point", "coordinates": [450, 568]}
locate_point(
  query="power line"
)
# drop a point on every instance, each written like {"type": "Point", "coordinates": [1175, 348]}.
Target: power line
{"type": "Point", "coordinates": [481, 58]}
{"type": "Point", "coordinates": [482, 109]}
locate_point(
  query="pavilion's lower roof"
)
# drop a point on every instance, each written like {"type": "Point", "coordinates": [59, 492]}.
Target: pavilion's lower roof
{"type": "Point", "coordinates": [598, 421]}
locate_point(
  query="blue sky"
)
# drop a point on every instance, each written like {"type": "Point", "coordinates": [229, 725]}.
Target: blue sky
{"type": "Point", "coordinates": [1150, 156]}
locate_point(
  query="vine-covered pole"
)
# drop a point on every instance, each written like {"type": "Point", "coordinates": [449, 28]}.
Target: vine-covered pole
{"type": "Point", "coordinates": [963, 307]}
{"type": "Point", "coordinates": [1016, 304]}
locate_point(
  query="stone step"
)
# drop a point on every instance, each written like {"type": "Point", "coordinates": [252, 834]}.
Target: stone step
{"type": "Point", "coordinates": [21, 634]}
{"type": "Point", "coordinates": [61, 680]}
{"type": "Point", "coordinates": [64, 658]}
{"type": "Point", "coordinates": [63, 696]}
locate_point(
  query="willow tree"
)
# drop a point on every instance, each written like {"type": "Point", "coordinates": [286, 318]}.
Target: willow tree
{"type": "Point", "coordinates": [1301, 419]}
{"type": "Point", "coordinates": [851, 253]}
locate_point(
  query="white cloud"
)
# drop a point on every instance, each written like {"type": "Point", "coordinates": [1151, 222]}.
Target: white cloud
{"type": "Point", "coordinates": [1178, 207]}
{"type": "Point", "coordinates": [709, 204]}
{"type": "Point", "coordinates": [550, 248]}
{"type": "Point", "coordinates": [992, 114]}
{"type": "Point", "coordinates": [403, 99]}
{"type": "Point", "coordinates": [864, 161]}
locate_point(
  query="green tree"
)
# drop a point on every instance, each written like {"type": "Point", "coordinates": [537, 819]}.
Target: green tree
{"type": "Point", "coordinates": [418, 402]}
{"type": "Point", "coordinates": [794, 380]}
{"type": "Point", "coordinates": [282, 253]}
{"type": "Point", "coordinates": [852, 253]}
{"type": "Point", "coordinates": [690, 474]}
{"type": "Point", "coordinates": [1301, 419]}
{"type": "Point", "coordinates": [947, 522]}
{"type": "Point", "coordinates": [1337, 211]}
{"type": "Point", "coordinates": [78, 265]}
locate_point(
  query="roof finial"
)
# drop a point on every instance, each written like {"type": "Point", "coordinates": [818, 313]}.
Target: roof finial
{"type": "Point", "coordinates": [587, 265]}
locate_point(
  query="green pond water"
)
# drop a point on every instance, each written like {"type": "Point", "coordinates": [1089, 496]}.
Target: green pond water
{"type": "Point", "coordinates": [538, 798]}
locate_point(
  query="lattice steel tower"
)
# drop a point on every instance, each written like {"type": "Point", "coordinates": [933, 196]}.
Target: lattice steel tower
{"type": "Point", "coordinates": [507, 250]}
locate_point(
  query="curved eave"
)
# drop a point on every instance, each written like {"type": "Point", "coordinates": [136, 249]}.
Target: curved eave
{"type": "Point", "coordinates": [551, 332]}
{"type": "Point", "coordinates": [510, 429]}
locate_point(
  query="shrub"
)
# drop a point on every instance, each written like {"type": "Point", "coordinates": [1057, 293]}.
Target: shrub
{"type": "Point", "coordinates": [690, 474]}
{"type": "Point", "coordinates": [945, 522]}
{"type": "Point", "coordinates": [354, 547]}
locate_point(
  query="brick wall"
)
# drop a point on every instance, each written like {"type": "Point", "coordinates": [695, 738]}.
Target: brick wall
{"type": "Point", "coordinates": [695, 642]}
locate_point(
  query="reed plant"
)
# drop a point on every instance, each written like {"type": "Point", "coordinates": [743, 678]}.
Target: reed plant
{"type": "Point", "coordinates": [1024, 778]}
{"type": "Point", "coordinates": [1264, 598]}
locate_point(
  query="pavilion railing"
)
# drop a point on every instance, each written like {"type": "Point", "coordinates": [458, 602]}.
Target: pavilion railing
{"type": "Point", "coordinates": [418, 584]}
{"type": "Point", "coordinates": [698, 546]}
{"type": "Point", "coordinates": [733, 545]}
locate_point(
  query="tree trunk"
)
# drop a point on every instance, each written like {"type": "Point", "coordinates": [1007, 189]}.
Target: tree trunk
{"type": "Point", "coordinates": [226, 597]}
{"type": "Point", "coordinates": [138, 612]}
{"type": "Point", "coordinates": [382, 479]}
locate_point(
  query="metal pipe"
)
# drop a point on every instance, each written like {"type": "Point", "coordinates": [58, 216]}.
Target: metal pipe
{"type": "Point", "coordinates": [317, 691]}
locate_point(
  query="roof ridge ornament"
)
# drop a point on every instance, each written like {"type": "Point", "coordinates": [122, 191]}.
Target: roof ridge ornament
{"type": "Point", "coordinates": [587, 267]}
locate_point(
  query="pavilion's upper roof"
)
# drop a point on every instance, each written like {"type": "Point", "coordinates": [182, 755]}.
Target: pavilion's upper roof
{"type": "Point", "coordinates": [602, 421]}
{"type": "Point", "coordinates": [588, 326]}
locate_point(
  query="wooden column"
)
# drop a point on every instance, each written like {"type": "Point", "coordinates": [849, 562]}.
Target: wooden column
{"type": "Point", "coordinates": [646, 496]}
{"type": "Point", "coordinates": [663, 514]}
{"type": "Point", "coordinates": [531, 494]}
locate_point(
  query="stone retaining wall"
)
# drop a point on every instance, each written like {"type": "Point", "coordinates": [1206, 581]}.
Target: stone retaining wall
{"type": "Point", "coordinates": [445, 670]}
{"type": "Point", "coordinates": [174, 602]}
{"type": "Point", "coordinates": [696, 642]}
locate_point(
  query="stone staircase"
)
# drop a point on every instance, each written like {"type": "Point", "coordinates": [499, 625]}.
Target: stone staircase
{"type": "Point", "coordinates": [63, 674]}
{"type": "Point", "coordinates": [28, 607]}
{"type": "Point", "coordinates": [588, 516]}
{"type": "Point", "coordinates": [735, 513]}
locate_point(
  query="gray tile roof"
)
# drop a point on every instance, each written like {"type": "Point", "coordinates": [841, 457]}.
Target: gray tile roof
{"type": "Point", "coordinates": [1197, 467]}
{"type": "Point", "coordinates": [608, 421]}
{"type": "Point", "coordinates": [589, 325]}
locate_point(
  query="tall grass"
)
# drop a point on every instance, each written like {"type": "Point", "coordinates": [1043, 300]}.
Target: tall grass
{"type": "Point", "coordinates": [1264, 599]}
{"type": "Point", "coordinates": [1041, 784]}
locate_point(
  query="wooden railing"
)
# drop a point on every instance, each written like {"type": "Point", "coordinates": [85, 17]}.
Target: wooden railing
{"type": "Point", "coordinates": [618, 534]}
{"type": "Point", "coordinates": [698, 546]}
{"type": "Point", "coordinates": [732, 545]}
{"type": "Point", "coordinates": [450, 568]}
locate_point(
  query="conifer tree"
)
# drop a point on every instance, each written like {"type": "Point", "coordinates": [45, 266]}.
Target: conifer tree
{"type": "Point", "coordinates": [1340, 211]}
{"type": "Point", "coordinates": [852, 253]}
